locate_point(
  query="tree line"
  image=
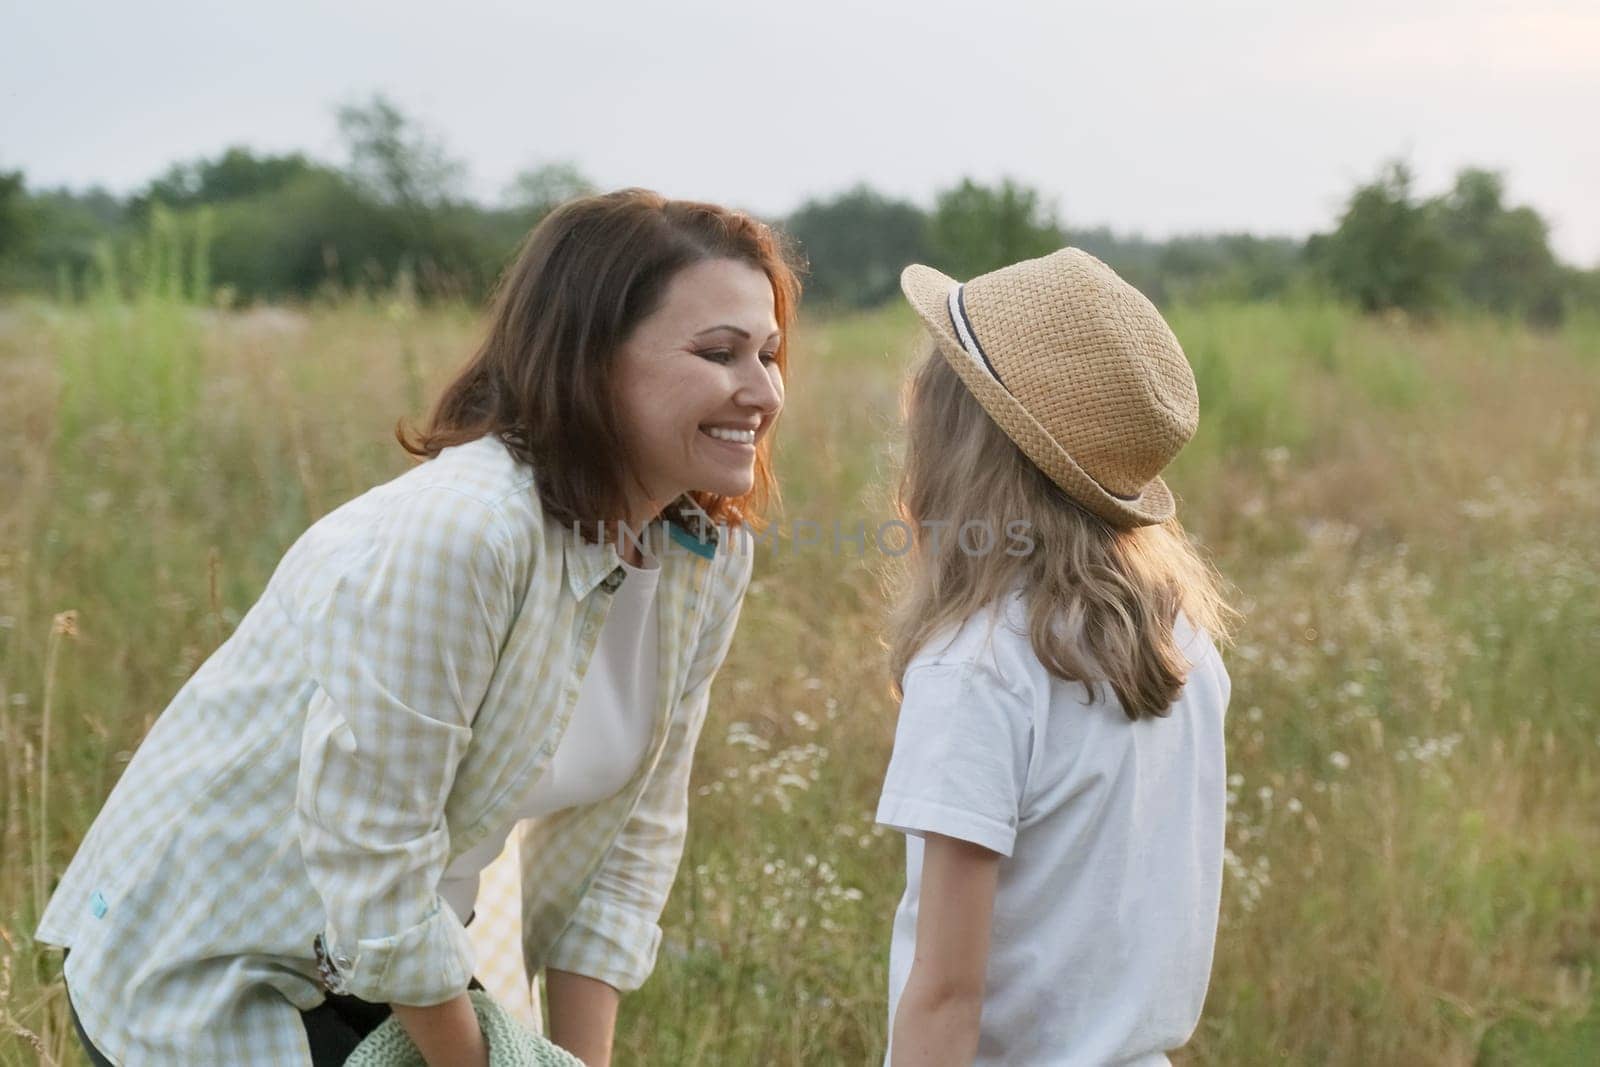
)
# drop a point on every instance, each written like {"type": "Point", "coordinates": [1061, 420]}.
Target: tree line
{"type": "Point", "coordinates": [287, 227]}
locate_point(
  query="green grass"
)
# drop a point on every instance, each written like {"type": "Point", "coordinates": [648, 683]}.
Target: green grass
{"type": "Point", "coordinates": [1524, 1041]}
{"type": "Point", "coordinates": [1409, 512]}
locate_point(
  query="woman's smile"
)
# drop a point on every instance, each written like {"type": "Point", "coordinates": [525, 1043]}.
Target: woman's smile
{"type": "Point", "coordinates": [733, 436]}
{"type": "Point", "coordinates": [741, 442]}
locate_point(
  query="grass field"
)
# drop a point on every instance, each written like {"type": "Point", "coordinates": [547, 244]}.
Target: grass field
{"type": "Point", "coordinates": [1410, 514]}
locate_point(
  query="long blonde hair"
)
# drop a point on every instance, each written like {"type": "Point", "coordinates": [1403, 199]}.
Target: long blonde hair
{"type": "Point", "coordinates": [1102, 601]}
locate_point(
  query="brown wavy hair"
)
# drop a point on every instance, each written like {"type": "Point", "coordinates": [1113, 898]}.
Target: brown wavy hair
{"type": "Point", "coordinates": [1102, 601]}
{"type": "Point", "coordinates": [543, 378]}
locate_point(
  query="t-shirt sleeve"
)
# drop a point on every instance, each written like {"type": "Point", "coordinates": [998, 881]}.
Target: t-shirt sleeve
{"type": "Point", "coordinates": [960, 757]}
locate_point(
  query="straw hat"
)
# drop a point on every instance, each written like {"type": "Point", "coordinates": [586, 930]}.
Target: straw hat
{"type": "Point", "coordinates": [1077, 367]}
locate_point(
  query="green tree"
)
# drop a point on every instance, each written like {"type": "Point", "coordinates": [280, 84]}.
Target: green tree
{"type": "Point", "coordinates": [1502, 255]}
{"type": "Point", "coordinates": [14, 228]}
{"type": "Point", "coordinates": [535, 192]}
{"type": "Point", "coordinates": [236, 174]}
{"type": "Point", "coordinates": [396, 160]}
{"type": "Point", "coordinates": [1582, 289]}
{"type": "Point", "coordinates": [857, 244]}
{"type": "Point", "coordinates": [1389, 249]}
{"type": "Point", "coordinates": [60, 230]}
{"type": "Point", "coordinates": [977, 228]}
{"type": "Point", "coordinates": [1236, 266]}
{"type": "Point", "coordinates": [318, 230]}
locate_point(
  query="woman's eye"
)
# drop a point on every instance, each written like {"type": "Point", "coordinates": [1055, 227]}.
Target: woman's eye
{"type": "Point", "coordinates": [724, 355]}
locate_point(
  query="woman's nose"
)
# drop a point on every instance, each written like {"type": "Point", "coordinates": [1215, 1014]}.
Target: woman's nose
{"type": "Point", "coordinates": [761, 388]}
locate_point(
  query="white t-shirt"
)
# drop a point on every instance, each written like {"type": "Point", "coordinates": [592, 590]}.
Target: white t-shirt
{"type": "Point", "coordinates": [607, 736]}
{"type": "Point", "coordinates": [1105, 916]}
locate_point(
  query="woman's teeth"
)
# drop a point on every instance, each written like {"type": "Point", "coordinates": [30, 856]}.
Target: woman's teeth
{"type": "Point", "coordinates": [743, 437]}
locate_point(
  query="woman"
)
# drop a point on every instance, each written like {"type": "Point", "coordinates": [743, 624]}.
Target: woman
{"type": "Point", "coordinates": [293, 850]}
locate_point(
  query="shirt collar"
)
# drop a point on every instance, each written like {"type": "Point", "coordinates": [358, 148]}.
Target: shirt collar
{"type": "Point", "coordinates": [691, 527]}
{"type": "Point", "coordinates": [588, 565]}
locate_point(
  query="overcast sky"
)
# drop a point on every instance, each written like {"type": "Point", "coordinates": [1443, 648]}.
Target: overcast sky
{"type": "Point", "coordinates": [1151, 116]}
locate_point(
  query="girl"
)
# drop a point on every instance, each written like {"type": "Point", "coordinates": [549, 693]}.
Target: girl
{"type": "Point", "coordinates": [524, 626]}
{"type": "Point", "coordinates": [1058, 761]}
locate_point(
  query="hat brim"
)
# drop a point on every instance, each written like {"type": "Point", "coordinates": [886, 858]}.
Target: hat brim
{"type": "Point", "coordinates": [928, 292]}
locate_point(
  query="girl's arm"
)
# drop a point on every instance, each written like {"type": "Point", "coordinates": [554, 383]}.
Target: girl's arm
{"type": "Point", "coordinates": [446, 1034]}
{"type": "Point", "coordinates": [937, 1019]}
{"type": "Point", "coordinates": [583, 1015]}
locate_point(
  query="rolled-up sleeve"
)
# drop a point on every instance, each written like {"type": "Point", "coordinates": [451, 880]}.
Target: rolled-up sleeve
{"type": "Point", "coordinates": [401, 649]}
{"type": "Point", "coordinates": [615, 933]}
{"type": "Point", "coordinates": [961, 752]}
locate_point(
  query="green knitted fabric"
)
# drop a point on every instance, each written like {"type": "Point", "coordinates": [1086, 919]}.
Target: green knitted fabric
{"type": "Point", "coordinates": [511, 1042]}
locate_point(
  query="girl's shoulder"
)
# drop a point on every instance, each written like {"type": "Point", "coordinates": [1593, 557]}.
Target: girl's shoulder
{"type": "Point", "coordinates": [992, 641]}
{"type": "Point", "coordinates": [1205, 660]}
{"type": "Point", "coordinates": [995, 642]}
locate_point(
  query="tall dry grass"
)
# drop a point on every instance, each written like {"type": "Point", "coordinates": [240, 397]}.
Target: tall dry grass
{"type": "Point", "coordinates": [1409, 513]}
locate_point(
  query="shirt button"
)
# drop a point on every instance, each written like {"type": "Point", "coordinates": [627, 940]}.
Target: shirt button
{"type": "Point", "coordinates": [342, 962]}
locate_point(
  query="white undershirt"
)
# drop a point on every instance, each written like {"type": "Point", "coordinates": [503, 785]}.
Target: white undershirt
{"type": "Point", "coordinates": [606, 738]}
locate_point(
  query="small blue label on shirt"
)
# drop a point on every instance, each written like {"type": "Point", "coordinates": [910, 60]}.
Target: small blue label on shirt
{"type": "Point", "coordinates": [703, 549]}
{"type": "Point", "coordinates": [97, 904]}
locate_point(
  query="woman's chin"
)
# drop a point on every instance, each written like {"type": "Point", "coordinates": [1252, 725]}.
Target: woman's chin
{"type": "Point", "coordinates": [728, 485]}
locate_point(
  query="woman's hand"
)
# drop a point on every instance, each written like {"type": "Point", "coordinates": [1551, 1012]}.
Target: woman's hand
{"type": "Point", "coordinates": [446, 1034]}
{"type": "Point", "coordinates": [583, 1015]}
